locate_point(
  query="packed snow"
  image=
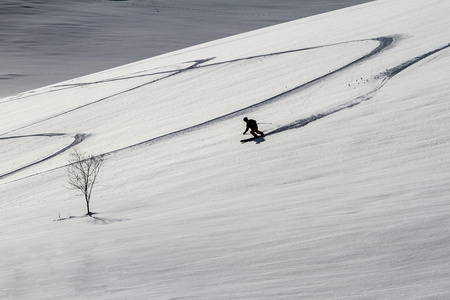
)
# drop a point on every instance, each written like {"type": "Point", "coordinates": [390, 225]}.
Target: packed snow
{"type": "Point", "coordinates": [346, 197]}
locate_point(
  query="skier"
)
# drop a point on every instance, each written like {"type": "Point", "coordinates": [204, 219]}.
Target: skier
{"type": "Point", "coordinates": [253, 126]}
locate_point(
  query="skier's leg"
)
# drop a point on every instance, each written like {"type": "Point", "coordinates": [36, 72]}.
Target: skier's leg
{"type": "Point", "coordinates": [257, 131]}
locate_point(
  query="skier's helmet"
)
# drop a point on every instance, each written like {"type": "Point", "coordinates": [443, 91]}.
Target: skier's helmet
{"type": "Point", "coordinates": [245, 119]}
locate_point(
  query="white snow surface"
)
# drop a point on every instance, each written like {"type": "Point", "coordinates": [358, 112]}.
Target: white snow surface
{"type": "Point", "coordinates": [347, 196]}
{"type": "Point", "coordinates": [43, 42]}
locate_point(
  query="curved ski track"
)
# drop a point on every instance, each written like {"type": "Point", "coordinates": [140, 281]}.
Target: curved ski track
{"type": "Point", "coordinates": [384, 43]}
{"type": "Point", "coordinates": [78, 138]}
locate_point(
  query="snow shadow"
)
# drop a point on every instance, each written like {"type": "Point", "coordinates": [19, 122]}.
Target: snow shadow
{"type": "Point", "coordinates": [103, 221]}
{"type": "Point", "coordinates": [91, 218]}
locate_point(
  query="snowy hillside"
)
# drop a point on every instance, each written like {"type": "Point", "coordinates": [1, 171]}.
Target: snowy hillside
{"type": "Point", "coordinates": [347, 196]}
{"type": "Point", "coordinates": [43, 42]}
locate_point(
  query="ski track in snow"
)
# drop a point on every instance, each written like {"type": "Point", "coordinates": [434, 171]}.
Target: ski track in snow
{"type": "Point", "coordinates": [78, 138]}
{"type": "Point", "coordinates": [384, 43]}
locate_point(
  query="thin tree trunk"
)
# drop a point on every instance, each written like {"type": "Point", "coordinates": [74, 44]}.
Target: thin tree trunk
{"type": "Point", "coordinates": [87, 206]}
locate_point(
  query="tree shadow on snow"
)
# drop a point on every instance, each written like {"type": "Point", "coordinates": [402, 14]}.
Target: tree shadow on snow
{"type": "Point", "coordinates": [93, 219]}
{"type": "Point", "coordinates": [103, 221]}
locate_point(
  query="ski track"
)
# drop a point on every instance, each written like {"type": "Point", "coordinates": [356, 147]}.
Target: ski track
{"type": "Point", "coordinates": [384, 43]}
{"type": "Point", "coordinates": [387, 76]}
{"type": "Point", "coordinates": [78, 138]}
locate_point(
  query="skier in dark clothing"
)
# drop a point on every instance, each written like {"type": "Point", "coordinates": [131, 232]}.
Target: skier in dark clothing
{"type": "Point", "coordinates": [253, 126]}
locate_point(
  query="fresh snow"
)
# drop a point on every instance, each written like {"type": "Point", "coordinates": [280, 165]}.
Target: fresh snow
{"type": "Point", "coordinates": [345, 198]}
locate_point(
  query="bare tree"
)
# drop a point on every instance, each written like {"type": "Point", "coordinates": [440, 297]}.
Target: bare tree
{"type": "Point", "coordinates": [83, 171]}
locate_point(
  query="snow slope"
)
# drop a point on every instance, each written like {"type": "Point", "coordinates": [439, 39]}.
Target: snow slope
{"type": "Point", "coordinates": [43, 42]}
{"type": "Point", "coordinates": [345, 198]}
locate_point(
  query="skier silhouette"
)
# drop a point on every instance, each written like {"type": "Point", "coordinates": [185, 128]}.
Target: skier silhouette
{"type": "Point", "coordinates": [253, 126]}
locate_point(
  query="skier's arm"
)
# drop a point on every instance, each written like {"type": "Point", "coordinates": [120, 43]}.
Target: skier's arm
{"type": "Point", "coordinates": [246, 129]}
